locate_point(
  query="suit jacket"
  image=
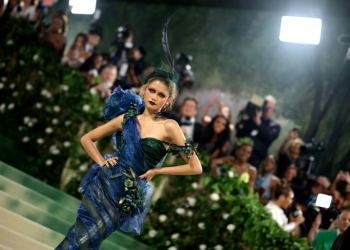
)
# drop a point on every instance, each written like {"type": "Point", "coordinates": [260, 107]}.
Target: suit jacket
{"type": "Point", "coordinates": [343, 241]}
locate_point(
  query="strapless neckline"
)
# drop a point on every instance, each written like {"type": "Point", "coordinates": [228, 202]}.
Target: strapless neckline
{"type": "Point", "coordinates": [160, 141]}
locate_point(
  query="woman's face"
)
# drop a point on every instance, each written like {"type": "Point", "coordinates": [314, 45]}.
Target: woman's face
{"type": "Point", "coordinates": [156, 95]}
{"type": "Point", "coordinates": [294, 147]}
{"type": "Point", "coordinates": [98, 62]}
{"type": "Point", "coordinates": [56, 24]}
{"type": "Point", "coordinates": [79, 42]}
{"type": "Point", "coordinates": [269, 163]}
{"type": "Point", "coordinates": [243, 153]}
{"type": "Point", "coordinates": [219, 125]}
{"type": "Point", "coordinates": [290, 174]}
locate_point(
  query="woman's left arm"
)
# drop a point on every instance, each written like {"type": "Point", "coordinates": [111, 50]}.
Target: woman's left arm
{"type": "Point", "coordinates": [193, 166]}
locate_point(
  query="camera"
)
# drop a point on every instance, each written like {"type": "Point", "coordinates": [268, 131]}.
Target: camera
{"type": "Point", "coordinates": [255, 104]}
{"type": "Point", "coordinates": [312, 147]}
{"type": "Point", "coordinates": [121, 34]}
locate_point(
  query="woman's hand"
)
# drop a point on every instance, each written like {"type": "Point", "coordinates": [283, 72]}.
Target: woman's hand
{"type": "Point", "coordinates": [112, 162]}
{"type": "Point", "coordinates": [148, 175]}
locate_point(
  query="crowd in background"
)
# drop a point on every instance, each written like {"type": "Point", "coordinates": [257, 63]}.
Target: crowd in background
{"type": "Point", "coordinates": [281, 181]}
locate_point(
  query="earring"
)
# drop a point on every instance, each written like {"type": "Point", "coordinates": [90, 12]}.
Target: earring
{"type": "Point", "coordinates": [159, 114]}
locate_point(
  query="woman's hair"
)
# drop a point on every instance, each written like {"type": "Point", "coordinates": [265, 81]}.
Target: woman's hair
{"type": "Point", "coordinates": [208, 133]}
{"type": "Point", "coordinates": [89, 63]}
{"type": "Point", "coordinates": [85, 39]}
{"type": "Point", "coordinates": [170, 85]}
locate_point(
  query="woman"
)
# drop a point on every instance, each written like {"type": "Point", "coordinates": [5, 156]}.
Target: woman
{"type": "Point", "coordinates": [117, 193]}
{"type": "Point", "coordinates": [289, 175]}
{"type": "Point", "coordinates": [291, 156]}
{"type": "Point", "coordinates": [90, 69]}
{"type": "Point", "coordinates": [27, 11]}
{"type": "Point", "coordinates": [266, 182]}
{"type": "Point", "coordinates": [244, 148]}
{"type": "Point", "coordinates": [216, 137]}
{"type": "Point", "coordinates": [341, 190]}
{"type": "Point", "coordinates": [77, 55]}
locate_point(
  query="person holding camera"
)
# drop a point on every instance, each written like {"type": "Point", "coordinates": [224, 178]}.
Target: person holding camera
{"type": "Point", "coordinates": [291, 156]}
{"type": "Point", "coordinates": [188, 124]}
{"type": "Point", "coordinates": [323, 240]}
{"type": "Point", "coordinates": [94, 37]}
{"type": "Point", "coordinates": [262, 129]}
{"type": "Point", "coordinates": [283, 198]}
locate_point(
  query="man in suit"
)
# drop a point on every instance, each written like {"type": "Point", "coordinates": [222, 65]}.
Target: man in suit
{"type": "Point", "coordinates": [188, 124]}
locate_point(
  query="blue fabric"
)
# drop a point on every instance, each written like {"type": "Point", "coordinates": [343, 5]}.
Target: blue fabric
{"type": "Point", "coordinates": [111, 190]}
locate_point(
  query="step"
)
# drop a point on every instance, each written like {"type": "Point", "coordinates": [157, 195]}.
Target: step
{"type": "Point", "coordinates": [17, 241]}
{"type": "Point", "coordinates": [29, 228]}
{"type": "Point", "coordinates": [38, 186]}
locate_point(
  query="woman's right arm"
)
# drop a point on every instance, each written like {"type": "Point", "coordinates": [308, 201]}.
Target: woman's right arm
{"type": "Point", "coordinates": [97, 134]}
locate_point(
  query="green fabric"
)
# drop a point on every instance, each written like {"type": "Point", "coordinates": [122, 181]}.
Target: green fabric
{"type": "Point", "coordinates": [153, 151]}
{"type": "Point", "coordinates": [325, 239]}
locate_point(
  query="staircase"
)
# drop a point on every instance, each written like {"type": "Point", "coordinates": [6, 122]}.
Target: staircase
{"type": "Point", "coordinates": [36, 216]}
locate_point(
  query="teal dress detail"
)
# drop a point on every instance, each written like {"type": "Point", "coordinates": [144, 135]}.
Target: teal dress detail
{"type": "Point", "coordinates": [115, 198]}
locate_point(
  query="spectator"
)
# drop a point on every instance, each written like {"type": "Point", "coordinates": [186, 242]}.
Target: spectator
{"type": "Point", "coordinates": [77, 55]}
{"type": "Point", "coordinates": [343, 241]}
{"type": "Point", "coordinates": [109, 75]}
{"type": "Point", "coordinates": [282, 200]}
{"type": "Point", "coordinates": [223, 110]}
{"type": "Point", "coordinates": [323, 240]}
{"type": "Point", "coordinates": [289, 175]}
{"type": "Point", "coordinates": [136, 66]}
{"type": "Point", "coordinates": [188, 124]}
{"type": "Point", "coordinates": [54, 33]}
{"type": "Point", "coordinates": [91, 68]}
{"type": "Point", "coordinates": [94, 37]}
{"type": "Point", "coordinates": [40, 12]}
{"type": "Point", "coordinates": [342, 193]}
{"type": "Point", "coordinates": [27, 11]}
{"type": "Point", "coordinates": [263, 130]}
{"type": "Point", "coordinates": [239, 162]}
{"type": "Point", "coordinates": [292, 155]}
{"type": "Point", "coordinates": [215, 137]}
{"type": "Point", "coordinates": [266, 181]}
{"type": "Point", "coordinates": [10, 7]}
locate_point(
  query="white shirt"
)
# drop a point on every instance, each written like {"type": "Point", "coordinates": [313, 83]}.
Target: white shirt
{"type": "Point", "coordinates": [88, 48]}
{"type": "Point", "coordinates": [190, 129]}
{"type": "Point", "coordinates": [279, 216]}
{"type": "Point", "coordinates": [28, 13]}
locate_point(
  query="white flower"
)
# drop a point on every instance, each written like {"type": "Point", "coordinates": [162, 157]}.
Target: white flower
{"type": "Point", "coordinates": [218, 247]}
{"type": "Point", "coordinates": [202, 247]}
{"type": "Point", "coordinates": [4, 79]}
{"type": "Point", "coordinates": [2, 65]}
{"type": "Point", "coordinates": [48, 162]}
{"type": "Point", "coordinates": [54, 121]}
{"type": "Point", "coordinates": [38, 105]}
{"type": "Point", "coordinates": [189, 214]}
{"type": "Point", "coordinates": [25, 139]}
{"type": "Point", "coordinates": [43, 92]}
{"type": "Point", "coordinates": [172, 248]}
{"type": "Point", "coordinates": [195, 185]}
{"type": "Point", "coordinates": [64, 87]}
{"type": "Point", "coordinates": [214, 197]}
{"type": "Point", "coordinates": [2, 107]}
{"type": "Point", "coordinates": [26, 119]}
{"type": "Point", "coordinates": [230, 174]}
{"type": "Point", "coordinates": [28, 86]}
{"type": "Point", "coordinates": [9, 42]}
{"type": "Point", "coordinates": [162, 217]}
{"type": "Point", "coordinates": [230, 227]}
{"type": "Point", "coordinates": [152, 233]}
{"type": "Point", "coordinates": [21, 62]}
{"type": "Point", "coordinates": [83, 167]}
{"type": "Point", "coordinates": [225, 216]}
{"type": "Point", "coordinates": [67, 123]}
{"type": "Point", "coordinates": [20, 128]}
{"type": "Point", "coordinates": [191, 201]}
{"type": "Point", "coordinates": [35, 57]}
{"type": "Point", "coordinates": [34, 120]}
{"type": "Point", "coordinates": [180, 211]}
{"type": "Point", "coordinates": [1, 85]}
{"type": "Point", "coordinates": [201, 225]}
{"type": "Point", "coordinates": [56, 152]}
{"type": "Point", "coordinates": [40, 141]}
{"type": "Point", "coordinates": [12, 86]}
{"type": "Point", "coordinates": [56, 108]}
{"type": "Point", "coordinates": [86, 107]}
{"type": "Point", "coordinates": [30, 124]}
{"type": "Point", "coordinates": [40, 72]}
{"type": "Point", "coordinates": [48, 130]}
{"type": "Point", "coordinates": [167, 243]}
{"type": "Point", "coordinates": [175, 236]}
{"type": "Point", "coordinates": [66, 144]}
{"type": "Point", "coordinates": [52, 148]}
{"type": "Point", "coordinates": [11, 106]}
{"type": "Point", "coordinates": [14, 94]}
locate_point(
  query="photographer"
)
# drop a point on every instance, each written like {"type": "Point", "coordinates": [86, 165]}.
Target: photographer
{"type": "Point", "coordinates": [137, 65]}
{"type": "Point", "coordinates": [283, 198]}
{"type": "Point", "coordinates": [188, 124]}
{"type": "Point", "coordinates": [94, 37]}
{"type": "Point", "coordinates": [291, 156]}
{"type": "Point", "coordinates": [325, 239]}
{"type": "Point", "coordinates": [263, 130]}
{"type": "Point", "coordinates": [108, 76]}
